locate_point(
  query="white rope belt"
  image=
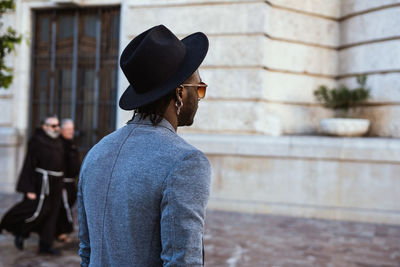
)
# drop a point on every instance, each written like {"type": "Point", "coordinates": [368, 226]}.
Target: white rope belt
{"type": "Point", "coordinates": [44, 191]}
{"type": "Point", "coordinates": [66, 205]}
{"type": "Point", "coordinates": [65, 199]}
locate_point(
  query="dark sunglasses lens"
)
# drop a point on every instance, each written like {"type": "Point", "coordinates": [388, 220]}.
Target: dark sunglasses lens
{"type": "Point", "coordinates": [54, 125]}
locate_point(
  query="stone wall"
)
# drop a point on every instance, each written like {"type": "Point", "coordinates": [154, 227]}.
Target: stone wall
{"type": "Point", "coordinates": [263, 64]}
{"type": "Point", "coordinates": [10, 158]}
{"type": "Point", "coordinates": [13, 108]}
{"type": "Point", "coordinates": [370, 44]}
{"type": "Point", "coordinates": [265, 60]}
{"type": "Point", "coordinates": [352, 179]}
{"type": "Point", "coordinates": [267, 57]}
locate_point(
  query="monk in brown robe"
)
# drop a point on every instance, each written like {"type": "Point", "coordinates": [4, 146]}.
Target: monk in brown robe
{"type": "Point", "coordinates": [41, 182]}
{"type": "Point", "coordinates": [65, 224]}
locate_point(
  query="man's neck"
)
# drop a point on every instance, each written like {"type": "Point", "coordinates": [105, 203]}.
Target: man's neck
{"type": "Point", "coordinates": [170, 115]}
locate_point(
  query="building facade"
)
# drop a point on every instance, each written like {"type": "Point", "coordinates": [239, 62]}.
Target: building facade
{"type": "Point", "coordinates": [259, 122]}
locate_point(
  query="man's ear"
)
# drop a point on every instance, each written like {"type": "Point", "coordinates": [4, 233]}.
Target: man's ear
{"type": "Point", "coordinates": [179, 94]}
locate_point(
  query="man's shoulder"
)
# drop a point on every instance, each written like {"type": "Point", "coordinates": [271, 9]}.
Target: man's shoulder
{"type": "Point", "coordinates": [110, 140]}
{"type": "Point", "coordinates": [161, 142]}
{"type": "Point", "coordinates": [106, 146]}
{"type": "Point", "coordinates": [41, 142]}
{"type": "Point", "coordinates": [189, 149]}
{"type": "Point", "coordinates": [173, 141]}
{"type": "Point", "coordinates": [188, 152]}
{"type": "Point", "coordinates": [153, 141]}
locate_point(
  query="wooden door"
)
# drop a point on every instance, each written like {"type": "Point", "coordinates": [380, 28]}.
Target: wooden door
{"type": "Point", "coordinates": [74, 74]}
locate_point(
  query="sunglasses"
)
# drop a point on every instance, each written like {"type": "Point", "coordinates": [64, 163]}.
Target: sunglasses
{"type": "Point", "coordinates": [201, 89]}
{"type": "Point", "coordinates": [53, 125]}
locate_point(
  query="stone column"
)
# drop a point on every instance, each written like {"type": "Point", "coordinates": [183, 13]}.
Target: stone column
{"type": "Point", "coordinates": [13, 106]}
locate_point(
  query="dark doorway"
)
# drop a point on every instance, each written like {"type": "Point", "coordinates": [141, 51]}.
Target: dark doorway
{"type": "Point", "coordinates": [75, 63]}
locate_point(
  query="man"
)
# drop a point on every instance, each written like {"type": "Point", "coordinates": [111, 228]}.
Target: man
{"type": "Point", "coordinates": [143, 190]}
{"type": "Point", "coordinates": [72, 164]}
{"type": "Point", "coordinates": [41, 182]}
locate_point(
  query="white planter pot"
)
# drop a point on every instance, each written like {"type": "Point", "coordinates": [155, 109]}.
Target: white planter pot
{"type": "Point", "coordinates": [344, 126]}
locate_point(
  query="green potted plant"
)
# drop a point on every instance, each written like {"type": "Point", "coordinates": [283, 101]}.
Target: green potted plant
{"type": "Point", "coordinates": [341, 100]}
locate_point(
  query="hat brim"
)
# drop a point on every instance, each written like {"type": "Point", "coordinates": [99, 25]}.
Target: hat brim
{"type": "Point", "coordinates": [196, 50]}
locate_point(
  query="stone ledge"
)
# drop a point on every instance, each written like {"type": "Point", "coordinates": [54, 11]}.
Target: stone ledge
{"type": "Point", "coordinates": [313, 147]}
{"type": "Point", "coordinates": [330, 213]}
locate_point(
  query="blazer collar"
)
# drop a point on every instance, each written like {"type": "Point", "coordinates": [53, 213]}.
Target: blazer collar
{"type": "Point", "coordinates": [164, 123]}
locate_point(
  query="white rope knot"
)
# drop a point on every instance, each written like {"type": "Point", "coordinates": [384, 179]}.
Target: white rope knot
{"type": "Point", "coordinates": [45, 190]}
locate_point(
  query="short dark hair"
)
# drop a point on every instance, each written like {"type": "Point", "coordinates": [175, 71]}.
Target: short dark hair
{"type": "Point", "coordinates": [156, 109]}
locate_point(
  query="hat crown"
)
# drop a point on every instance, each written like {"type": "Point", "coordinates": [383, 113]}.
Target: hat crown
{"type": "Point", "coordinates": [156, 62]}
{"type": "Point", "coordinates": [152, 58]}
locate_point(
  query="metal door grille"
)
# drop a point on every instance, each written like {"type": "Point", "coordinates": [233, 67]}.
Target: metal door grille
{"type": "Point", "coordinates": [75, 62]}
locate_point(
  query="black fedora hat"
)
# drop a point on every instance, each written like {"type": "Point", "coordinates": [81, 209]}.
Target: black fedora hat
{"type": "Point", "coordinates": [156, 61]}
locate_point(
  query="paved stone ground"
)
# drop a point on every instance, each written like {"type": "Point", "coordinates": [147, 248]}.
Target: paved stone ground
{"type": "Point", "coordinates": [235, 239]}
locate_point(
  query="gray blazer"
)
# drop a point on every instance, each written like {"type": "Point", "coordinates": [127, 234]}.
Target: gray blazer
{"type": "Point", "coordinates": [142, 198]}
